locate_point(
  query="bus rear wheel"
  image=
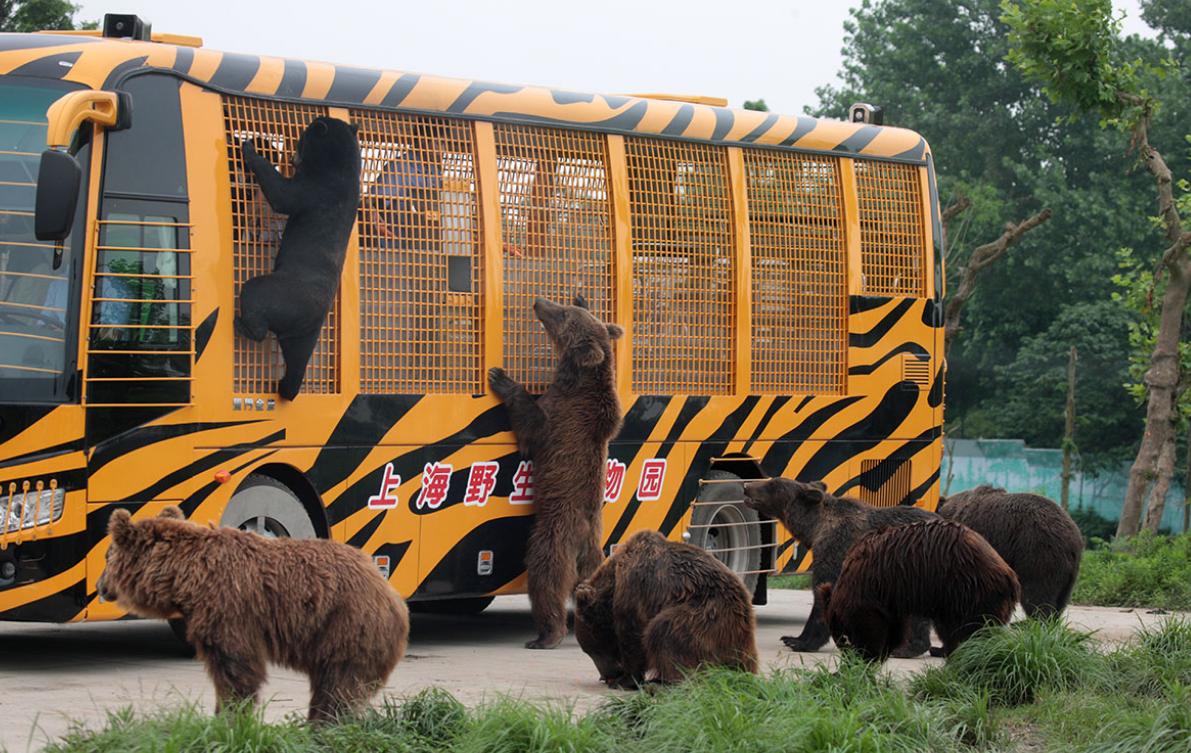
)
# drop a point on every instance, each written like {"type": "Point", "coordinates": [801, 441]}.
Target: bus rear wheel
{"type": "Point", "coordinates": [729, 530]}
{"type": "Point", "coordinates": [265, 506]}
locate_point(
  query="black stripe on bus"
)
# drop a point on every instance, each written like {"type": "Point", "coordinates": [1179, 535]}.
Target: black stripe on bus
{"type": "Point", "coordinates": [205, 463]}
{"type": "Point", "coordinates": [236, 71]}
{"type": "Point", "coordinates": [881, 328]}
{"type": "Point", "coordinates": [352, 84]}
{"type": "Point", "coordinates": [51, 66]}
{"type": "Point", "coordinates": [400, 89]}
{"type": "Point", "coordinates": [778, 456]}
{"type": "Point", "coordinates": [365, 422]}
{"type": "Point", "coordinates": [293, 81]}
{"type": "Point", "coordinates": [913, 348]}
{"type": "Point", "coordinates": [894, 408]}
{"type": "Point", "coordinates": [145, 436]}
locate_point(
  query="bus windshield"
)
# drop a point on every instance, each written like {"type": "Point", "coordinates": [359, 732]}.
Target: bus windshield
{"type": "Point", "coordinates": [34, 296]}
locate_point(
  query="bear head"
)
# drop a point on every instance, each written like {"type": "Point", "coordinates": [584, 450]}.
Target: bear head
{"type": "Point", "coordinates": [796, 504]}
{"type": "Point", "coordinates": [595, 629]}
{"type": "Point", "coordinates": [326, 146]}
{"type": "Point", "coordinates": [865, 629]}
{"type": "Point", "coordinates": [137, 573]}
{"type": "Point", "coordinates": [580, 340]}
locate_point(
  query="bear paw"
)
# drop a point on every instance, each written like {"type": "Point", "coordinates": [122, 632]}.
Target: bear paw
{"type": "Point", "coordinates": [500, 382]}
{"type": "Point", "coordinates": [908, 652]}
{"type": "Point", "coordinates": [543, 643]}
{"type": "Point", "coordinates": [799, 644]}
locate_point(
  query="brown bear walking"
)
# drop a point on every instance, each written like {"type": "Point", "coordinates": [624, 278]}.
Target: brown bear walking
{"type": "Point", "coordinates": [663, 606]}
{"type": "Point", "coordinates": [566, 433]}
{"type": "Point", "coordinates": [1034, 535]}
{"type": "Point", "coordinates": [940, 570]}
{"type": "Point", "coordinates": [830, 526]}
{"type": "Point", "coordinates": [315, 606]}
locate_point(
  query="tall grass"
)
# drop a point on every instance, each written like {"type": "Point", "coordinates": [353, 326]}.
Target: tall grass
{"type": "Point", "coordinates": [1144, 571]}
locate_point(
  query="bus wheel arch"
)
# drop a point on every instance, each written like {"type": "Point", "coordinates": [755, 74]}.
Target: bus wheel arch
{"type": "Point", "coordinates": [290, 480]}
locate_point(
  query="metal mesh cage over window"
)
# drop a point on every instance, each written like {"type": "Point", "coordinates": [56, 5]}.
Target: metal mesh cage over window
{"type": "Point", "coordinates": [683, 304]}
{"type": "Point", "coordinates": [420, 256]}
{"type": "Point", "coordinates": [892, 230]}
{"type": "Point", "coordinates": [800, 293]}
{"type": "Point", "coordinates": [557, 232]}
{"type": "Point", "coordinates": [275, 127]}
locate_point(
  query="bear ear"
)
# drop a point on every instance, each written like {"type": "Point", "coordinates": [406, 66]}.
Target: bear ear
{"type": "Point", "coordinates": [173, 512]}
{"type": "Point", "coordinates": [823, 591]}
{"type": "Point", "coordinates": [120, 527]}
{"type": "Point", "coordinates": [615, 331]}
{"type": "Point", "coordinates": [584, 595]}
{"type": "Point", "coordinates": [581, 302]}
{"type": "Point", "coordinates": [587, 352]}
{"type": "Point", "coordinates": [818, 485]}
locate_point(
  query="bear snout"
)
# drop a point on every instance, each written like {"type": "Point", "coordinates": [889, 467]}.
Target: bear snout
{"type": "Point", "coordinates": [103, 587]}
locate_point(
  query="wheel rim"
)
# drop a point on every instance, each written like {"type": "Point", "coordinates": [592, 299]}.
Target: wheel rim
{"type": "Point", "coordinates": [726, 537]}
{"type": "Point", "coordinates": [264, 525]}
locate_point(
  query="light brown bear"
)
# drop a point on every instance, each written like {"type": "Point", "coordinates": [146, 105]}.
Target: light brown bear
{"type": "Point", "coordinates": [315, 606]}
{"type": "Point", "coordinates": [661, 607]}
{"type": "Point", "coordinates": [566, 433]}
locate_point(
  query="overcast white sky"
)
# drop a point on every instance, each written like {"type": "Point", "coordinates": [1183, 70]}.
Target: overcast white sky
{"type": "Point", "coordinates": [776, 49]}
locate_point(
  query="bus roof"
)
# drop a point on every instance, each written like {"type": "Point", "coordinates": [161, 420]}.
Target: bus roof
{"type": "Point", "coordinates": [104, 63]}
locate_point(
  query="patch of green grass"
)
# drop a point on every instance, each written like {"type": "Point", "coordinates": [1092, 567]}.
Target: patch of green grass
{"type": "Point", "coordinates": [796, 581]}
{"type": "Point", "coordinates": [1013, 664]}
{"type": "Point", "coordinates": [1144, 571]}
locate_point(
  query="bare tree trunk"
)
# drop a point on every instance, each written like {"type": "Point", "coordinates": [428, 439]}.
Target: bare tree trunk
{"type": "Point", "coordinates": [949, 448]}
{"type": "Point", "coordinates": [1187, 487]}
{"type": "Point", "coordinates": [1069, 429]}
{"type": "Point", "coordinates": [981, 257]}
{"type": "Point", "coordinates": [1157, 507]}
{"type": "Point", "coordinates": [1162, 377]}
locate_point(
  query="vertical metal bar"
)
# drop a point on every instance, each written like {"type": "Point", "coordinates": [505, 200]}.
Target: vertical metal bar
{"type": "Point", "coordinates": [493, 296]}
{"type": "Point", "coordinates": [928, 236]}
{"type": "Point", "coordinates": [345, 367]}
{"type": "Point", "coordinates": [847, 170]}
{"type": "Point", "coordinates": [743, 346]}
{"type": "Point", "coordinates": [622, 255]}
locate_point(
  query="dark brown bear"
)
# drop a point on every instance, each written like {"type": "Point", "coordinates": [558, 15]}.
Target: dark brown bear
{"type": "Point", "coordinates": [315, 606]}
{"type": "Point", "coordinates": [320, 200]}
{"type": "Point", "coordinates": [829, 525]}
{"type": "Point", "coordinates": [938, 569]}
{"type": "Point", "coordinates": [566, 433]}
{"type": "Point", "coordinates": [661, 607]}
{"type": "Point", "coordinates": [1034, 535]}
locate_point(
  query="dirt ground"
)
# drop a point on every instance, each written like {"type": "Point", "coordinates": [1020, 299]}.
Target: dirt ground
{"type": "Point", "coordinates": [53, 674]}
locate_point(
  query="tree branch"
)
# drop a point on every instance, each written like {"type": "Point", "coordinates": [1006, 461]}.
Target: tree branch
{"type": "Point", "coordinates": [1167, 209]}
{"type": "Point", "coordinates": [980, 259]}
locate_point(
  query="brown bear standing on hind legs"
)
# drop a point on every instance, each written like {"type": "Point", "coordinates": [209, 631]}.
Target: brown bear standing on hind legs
{"type": "Point", "coordinates": [565, 432]}
{"type": "Point", "coordinates": [938, 569]}
{"type": "Point", "coordinates": [661, 606]}
{"type": "Point", "coordinates": [314, 605]}
{"type": "Point", "coordinates": [829, 525]}
{"type": "Point", "coordinates": [1034, 535]}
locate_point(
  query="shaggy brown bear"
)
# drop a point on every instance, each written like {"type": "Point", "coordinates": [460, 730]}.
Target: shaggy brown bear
{"type": "Point", "coordinates": [566, 433]}
{"type": "Point", "coordinates": [938, 569]}
{"type": "Point", "coordinates": [661, 606]}
{"type": "Point", "coordinates": [320, 201]}
{"type": "Point", "coordinates": [315, 606]}
{"type": "Point", "coordinates": [1034, 535]}
{"type": "Point", "coordinates": [829, 525]}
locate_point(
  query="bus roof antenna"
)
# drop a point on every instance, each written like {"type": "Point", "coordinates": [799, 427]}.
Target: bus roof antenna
{"type": "Point", "coordinates": [866, 113]}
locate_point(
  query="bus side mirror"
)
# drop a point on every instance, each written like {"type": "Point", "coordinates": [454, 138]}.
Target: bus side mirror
{"type": "Point", "coordinates": [58, 181]}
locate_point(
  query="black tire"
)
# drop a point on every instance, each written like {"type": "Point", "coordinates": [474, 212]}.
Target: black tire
{"type": "Point", "coordinates": [264, 506]}
{"type": "Point", "coordinates": [457, 607]}
{"type": "Point", "coordinates": [728, 526]}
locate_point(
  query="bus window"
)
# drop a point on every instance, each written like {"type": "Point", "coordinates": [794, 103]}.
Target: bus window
{"type": "Point", "coordinates": [36, 300]}
{"type": "Point", "coordinates": [420, 256]}
{"type": "Point", "coordinates": [557, 234]}
{"type": "Point", "coordinates": [892, 240]}
{"type": "Point", "coordinates": [683, 298]}
{"type": "Point", "coordinates": [800, 287]}
{"type": "Point", "coordinates": [275, 128]}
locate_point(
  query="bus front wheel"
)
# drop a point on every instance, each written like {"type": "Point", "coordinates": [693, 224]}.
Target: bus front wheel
{"type": "Point", "coordinates": [729, 530]}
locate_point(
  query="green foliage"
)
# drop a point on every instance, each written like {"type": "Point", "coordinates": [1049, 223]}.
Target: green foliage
{"type": "Point", "coordinates": [797, 581]}
{"type": "Point", "coordinates": [1093, 525]}
{"type": "Point", "coordinates": [37, 15]}
{"type": "Point", "coordinates": [1144, 571]}
{"type": "Point", "coordinates": [1139, 292]}
{"type": "Point", "coordinates": [756, 104]}
{"type": "Point", "coordinates": [1012, 665]}
{"type": "Point", "coordinates": [1157, 659]}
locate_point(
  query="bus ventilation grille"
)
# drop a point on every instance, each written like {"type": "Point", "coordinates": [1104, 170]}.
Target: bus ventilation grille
{"type": "Point", "coordinates": [891, 493]}
{"type": "Point", "coordinates": [916, 370]}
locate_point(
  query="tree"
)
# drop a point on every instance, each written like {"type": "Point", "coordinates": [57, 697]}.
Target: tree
{"type": "Point", "coordinates": [937, 66]}
{"type": "Point", "coordinates": [756, 104]}
{"type": "Point", "coordinates": [37, 15]}
{"type": "Point", "coordinates": [1075, 50]}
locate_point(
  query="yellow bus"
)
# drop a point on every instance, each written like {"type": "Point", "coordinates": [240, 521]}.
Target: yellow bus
{"type": "Point", "coordinates": [778, 277]}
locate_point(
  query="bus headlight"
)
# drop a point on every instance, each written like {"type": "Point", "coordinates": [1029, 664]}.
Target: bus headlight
{"type": "Point", "coordinates": [31, 508]}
